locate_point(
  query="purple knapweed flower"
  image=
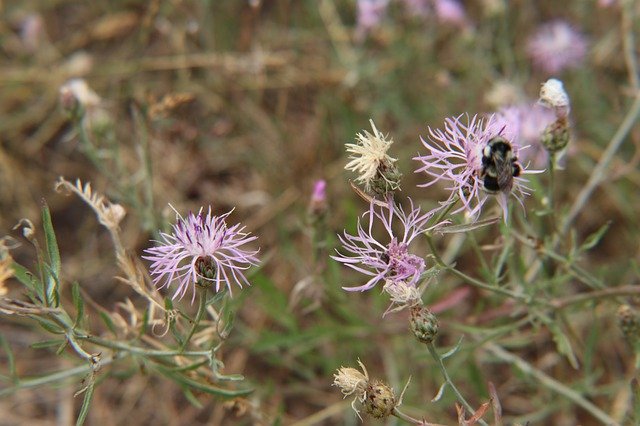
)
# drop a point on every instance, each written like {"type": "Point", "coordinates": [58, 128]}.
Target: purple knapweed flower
{"type": "Point", "coordinates": [526, 124]}
{"type": "Point", "coordinates": [557, 46]}
{"type": "Point", "coordinates": [369, 14]}
{"type": "Point", "coordinates": [201, 249]}
{"type": "Point", "coordinates": [385, 261]}
{"type": "Point", "coordinates": [450, 12]}
{"type": "Point", "coordinates": [455, 157]}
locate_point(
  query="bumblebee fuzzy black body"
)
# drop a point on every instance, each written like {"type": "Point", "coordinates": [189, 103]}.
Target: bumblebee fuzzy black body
{"type": "Point", "coordinates": [499, 165]}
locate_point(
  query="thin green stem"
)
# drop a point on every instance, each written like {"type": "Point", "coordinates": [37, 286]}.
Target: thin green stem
{"type": "Point", "coordinates": [53, 377]}
{"type": "Point", "coordinates": [436, 356]}
{"type": "Point", "coordinates": [478, 283]}
{"type": "Point", "coordinates": [119, 346]}
{"type": "Point", "coordinates": [202, 305]}
{"type": "Point", "coordinates": [551, 189]}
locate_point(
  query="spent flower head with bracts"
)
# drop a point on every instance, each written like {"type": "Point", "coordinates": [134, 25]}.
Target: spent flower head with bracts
{"type": "Point", "coordinates": [203, 250]}
{"type": "Point", "coordinates": [557, 134]}
{"type": "Point", "coordinates": [376, 170]}
{"type": "Point", "coordinates": [557, 46]}
{"type": "Point", "coordinates": [472, 157]}
{"type": "Point", "coordinates": [390, 261]}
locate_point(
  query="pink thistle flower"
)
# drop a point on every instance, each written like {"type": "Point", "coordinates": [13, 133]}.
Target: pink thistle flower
{"type": "Point", "coordinates": [385, 262]}
{"type": "Point", "coordinates": [455, 157]}
{"type": "Point", "coordinates": [201, 249]}
{"type": "Point", "coordinates": [450, 11]}
{"type": "Point", "coordinates": [370, 14]}
{"type": "Point", "coordinates": [526, 123]}
{"type": "Point", "coordinates": [557, 46]}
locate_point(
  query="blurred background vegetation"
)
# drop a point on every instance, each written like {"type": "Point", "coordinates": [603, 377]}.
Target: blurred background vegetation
{"type": "Point", "coordinates": [245, 104]}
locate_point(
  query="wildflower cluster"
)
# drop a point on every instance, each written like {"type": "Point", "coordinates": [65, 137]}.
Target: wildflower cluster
{"type": "Point", "coordinates": [475, 157]}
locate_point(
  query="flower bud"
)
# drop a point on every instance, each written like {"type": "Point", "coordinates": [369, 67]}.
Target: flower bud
{"type": "Point", "coordinates": [629, 324]}
{"type": "Point", "coordinates": [387, 179]}
{"type": "Point", "coordinates": [423, 324]}
{"type": "Point", "coordinates": [318, 203]}
{"type": "Point", "coordinates": [557, 135]}
{"type": "Point", "coordinates": [380, 400]}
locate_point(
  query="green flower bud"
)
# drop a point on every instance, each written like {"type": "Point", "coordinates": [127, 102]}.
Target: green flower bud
{"type": "Point", "coordinates": [423, 324]}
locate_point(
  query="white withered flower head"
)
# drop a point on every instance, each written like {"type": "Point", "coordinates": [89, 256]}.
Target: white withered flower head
{"type": "Point", "coordinates": [352, 382]}
{"type": "Point", "coordinates": [553, 95]}
{"type": "Point", "coordinates": [370, 160]}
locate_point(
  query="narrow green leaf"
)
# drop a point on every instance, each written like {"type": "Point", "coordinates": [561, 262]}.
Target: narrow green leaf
{"type": "Point", "coordinates": [54, 256]}
{"type": "Point", "coordinates": [47, 343]}
{"type": "Point", "coordinates": [204, 387]}
{"type": "Point", "coordinates": [10, 359]}
{"type": "Point", "coordinates": [108, 322]}
{"type": "Point", "coordinates": [563, 344]}
{"type": "Point", "coordinates": [144, 324]}
{"type": "Point", "coordinates": [50, 326]}
{"type": "Point", "coordinates": [452, 350]}
{"type": "Point", "coordinates": [440, 392]}
{"type": "Point", "coordinates": [593, 239]}
{"type": "Point", "coordinates": [192, 398]}
{"type": "Point", "coordinates": [84, 409]}
{"type": "Point", "coordinates": [62, 347]}
{"type": "Point", "coordinates": [25, 276]}
{"type": "Point", "coordinates": [189, 367]}
{"type": "Point", "coordinates": [78, 302]}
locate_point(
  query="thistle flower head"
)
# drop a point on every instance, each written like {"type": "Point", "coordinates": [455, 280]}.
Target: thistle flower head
{"type": "Point", "coordinates": [370, 13]}
{"type": "Point", "coordinates": [553, 95]}
{"type": "Point", "coordinates": [380, 400]}
{"type": "Point", "coordinates": [204, 250]}
{"type": "Point", "coordinates": [451, 12]}
{"type": "Point", "coordinates": [455, 158]}
{"type": "Point", "coordinates": [369, 159]}
{"type": "Point", "coordinates": [557, 46]}
{"type": "Point", "coordinates": [557, 135]}
{"type": "Point", "coordinates": [389, 260]}
{"type": "Point", "coordinates": [352, 382]}
{"type": "Point", "coordinates": [318, 202]}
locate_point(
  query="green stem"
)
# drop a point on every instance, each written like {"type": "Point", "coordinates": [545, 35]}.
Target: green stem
{"type": "Point", "coordinates": [436, 356]}
{"type": "Point", "coordinates": [478, 283]}
{"type": "Point", "coordinates": [52, 378]}
{"type": "Point", "coordinates": [119, 346]}
{"type": "Point", "coordinates": [202, 305]}
{"type": "Point", "coordinates": [551, 188]}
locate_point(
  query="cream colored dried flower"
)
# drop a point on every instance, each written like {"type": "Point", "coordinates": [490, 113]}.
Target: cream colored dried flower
{"type": "Point", "coordinates": [376, 170]}
{"type": "Point", "coordinates": [402, 295]}
{"type": "Point", "coordinates": [352, 382]}
{"type": "Point", "coordinates": [553, 95]}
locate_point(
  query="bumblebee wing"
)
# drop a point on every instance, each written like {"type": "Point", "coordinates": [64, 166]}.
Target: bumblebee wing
{"type": "Point", "coordinates": [504, 174]}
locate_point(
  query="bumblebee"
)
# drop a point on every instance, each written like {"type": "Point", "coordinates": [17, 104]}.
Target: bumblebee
{"type": "Point", "coordinates": [499, 165]}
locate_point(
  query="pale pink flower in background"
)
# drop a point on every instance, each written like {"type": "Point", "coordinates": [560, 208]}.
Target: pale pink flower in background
{"type": "Point", "coordinates": [385, 261]}
{"type": "Point", "coordinates": [446, 11]}
{"type": "Point", "coordinates": [451, 12]}
{"type": "Point", "coordinates": [201, 248]}
{"type": "Point", "coordinates": [524, 125]}
{"type": "Point", "coordinates": [318, 202]}
{"type": "Point", "coordinates": [369, 14]}
{"type": "Point", "coordinates": [455, 158]}
{"type": "Point", "coordinates": [557, 46]}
